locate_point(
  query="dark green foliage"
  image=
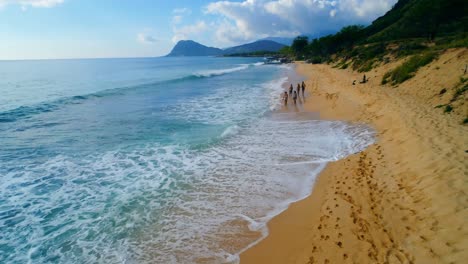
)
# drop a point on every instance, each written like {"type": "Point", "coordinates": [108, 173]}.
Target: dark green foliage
{"type": "Point", "coordinates": [420, 18]}
{"type": "Point", "coordinates": [460, 91]}
{"type": "Point", "coordinates": [408, 69]}
{"type": "Point", "coordinates": [411, 27]}
{"type": "Point", "coordinates": [366, 66]}
{"type": "Point", "coordinates": [390, 18]}
{"type": "Point", "coordinates": [364, 57]}
{"type": "Point", "coordinates": [409, 47]}
{"type": "Point", "coordinates": [454, 41]}
{"type": "Point", "coordinates": [465, 121]}
{"type": "Point", "coordinates": [461, 88]}
{"type": "Point", "coordinates": [315, 60]}
{"type": "Point", "coordinates": [286, 51]}
{"type": "Point", "coordinates": [325, 46]}
{"type": "Point", "coordinates": [253, 54]}
{"type": "Point", "coordinates": [386, 77]}
{"type": "Point", "coordinates": [299, 46]}
{"type": "Point", "coordinates": [448, 108]}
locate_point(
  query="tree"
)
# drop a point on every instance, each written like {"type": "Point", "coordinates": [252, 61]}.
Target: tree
{"type": "Point", "coordinates": [286, 51]}
{"type": "Point", "coordinates": [299, 46]}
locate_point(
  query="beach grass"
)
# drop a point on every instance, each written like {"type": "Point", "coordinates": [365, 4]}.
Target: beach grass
{"type": "Point", "coordinates": [408, 69]}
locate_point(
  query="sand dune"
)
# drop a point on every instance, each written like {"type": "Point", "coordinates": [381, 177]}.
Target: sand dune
{"type": "Point", "coordinates": [404, 199]}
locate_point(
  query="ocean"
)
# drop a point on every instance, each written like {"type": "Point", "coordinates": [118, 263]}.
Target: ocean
{"type": "Point", "coordinates": [152, 160]}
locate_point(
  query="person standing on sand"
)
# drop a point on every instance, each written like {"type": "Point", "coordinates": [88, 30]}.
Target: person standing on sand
{"type": "Point", "coordinates": [303, 88]}
{"type": "Point", "coordinates": [290, 89]}
{"type": "Point", "coordinates": [298, 89]}
{"type": "Point", "coordinates": [285, 98]}
{"type": "Point", "coordinates": [295, 97]}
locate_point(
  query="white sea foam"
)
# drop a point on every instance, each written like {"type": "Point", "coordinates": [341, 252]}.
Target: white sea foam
{"type": "Point", "coordinates": [232, 130]}
{"type": "Point", "coordinates": [211, 73]}
{"type": "Point", "coordinates": [217, 72]}
{"type": "Point", "coordinates": [171, 203]}
{"type": "Point", "coordinates": [178, 204]}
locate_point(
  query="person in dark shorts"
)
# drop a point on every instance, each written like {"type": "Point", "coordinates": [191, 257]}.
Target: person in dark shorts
{"type": "Point", "coordinates": [290, 89]}
{"type": "Point", "coordinates": [298, 89]}
{"type": "Point", "coordinates": [303, 88]}
{"type": "Point", "coordinates": [295, 97]}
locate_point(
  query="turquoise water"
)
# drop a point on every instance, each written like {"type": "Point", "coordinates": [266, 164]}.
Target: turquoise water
{"type": "Point", "coordinates": [156, 160]}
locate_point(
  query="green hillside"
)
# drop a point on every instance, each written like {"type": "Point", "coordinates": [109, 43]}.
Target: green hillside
{"type": "Point", "coordinates": [411, 26]}
{"type": "Point", "coordinates": [420, 19]}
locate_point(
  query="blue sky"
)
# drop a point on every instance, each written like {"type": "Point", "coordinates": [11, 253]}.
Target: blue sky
{"type": "Point", "coordinates": [40, 29]}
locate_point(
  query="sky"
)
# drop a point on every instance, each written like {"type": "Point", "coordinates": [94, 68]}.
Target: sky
{"type": "Point", "coordinates": [54, 29]}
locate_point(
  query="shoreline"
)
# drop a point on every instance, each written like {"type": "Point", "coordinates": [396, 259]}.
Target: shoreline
{"type": "Point", "coordinates": [402, 200]}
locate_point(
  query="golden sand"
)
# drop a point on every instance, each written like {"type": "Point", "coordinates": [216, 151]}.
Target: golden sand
{"type": "Point", "coordinates": [404, 199]}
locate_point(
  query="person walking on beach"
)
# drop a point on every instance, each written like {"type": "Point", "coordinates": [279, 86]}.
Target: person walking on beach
{"type": "Point", "coordinates": [285, 98]}
{"type": "Point", "coordinates": [290, 89]}
{"type": "Point", "coordinates": [298, 89]}
{"type": "Point", "coordinates": [303, 88]}
{"type": "Point", "coordinates": [295, 97]}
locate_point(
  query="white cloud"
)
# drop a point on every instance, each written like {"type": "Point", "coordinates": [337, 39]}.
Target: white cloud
{"type": "Point", "coordinates": [146, 38]}
{"type": "Point", "coordinates": [253, 19]}
{"type": "Point", "coordinates": [189, 31]}
{"type": "Point", "coordinates": [177, 19]}
{"type": "Point", "coordinates": [186, 31]}
{"type": "Point", "coordinates": [182, 11]}
{"type": "Point", "coordinates": [31, 3]}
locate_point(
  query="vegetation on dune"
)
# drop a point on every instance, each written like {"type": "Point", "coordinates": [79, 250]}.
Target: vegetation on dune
{"type": "Point", "coordinates": [416, 28]}
{"type": "Point", "coordinates": [460, 90]}
{"type": "Point", "coordinates": [408, 69]}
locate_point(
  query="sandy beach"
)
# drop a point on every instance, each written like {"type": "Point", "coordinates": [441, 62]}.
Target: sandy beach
{"type": "Point", "coordinates": [404, 199]}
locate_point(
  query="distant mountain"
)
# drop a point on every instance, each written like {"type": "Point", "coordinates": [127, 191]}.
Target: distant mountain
{"type": "Point", "coordinates": [261, 45]}
{"type": "Point", "coordinates": [280, 40]}
{"type": "Point", "coordinates": [192, 48]}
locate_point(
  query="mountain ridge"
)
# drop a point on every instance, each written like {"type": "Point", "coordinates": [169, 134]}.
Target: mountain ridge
{"type": "Point", "coordinates": [192, 48]}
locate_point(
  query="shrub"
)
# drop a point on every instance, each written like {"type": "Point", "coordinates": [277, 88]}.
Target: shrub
{"type": "Point", "coordinates": [409, 48]}
{"type": "Point", "coordinates": [408, 69]}
{"type": "Point", "coordinates": [367, 66]}
{"type": "Point", "coordinates": [448, 109]}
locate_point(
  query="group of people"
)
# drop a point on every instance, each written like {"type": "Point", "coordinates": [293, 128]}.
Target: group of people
{"type": "Point", "coordinates": [364, 80]}
{"type": "Point", "coordinates": [293, 94]}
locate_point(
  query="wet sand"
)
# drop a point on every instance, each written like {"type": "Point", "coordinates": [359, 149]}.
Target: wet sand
{"type": "Point", "coordinates": [404, 199]}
